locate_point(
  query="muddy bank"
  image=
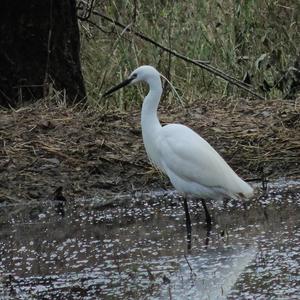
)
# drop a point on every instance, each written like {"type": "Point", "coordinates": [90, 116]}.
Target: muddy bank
{"type": "Point", "coordinates": [87, 152]}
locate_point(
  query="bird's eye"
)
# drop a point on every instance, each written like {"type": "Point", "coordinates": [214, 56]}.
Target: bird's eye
{"type": "Point", "coordinates": [134, 75]}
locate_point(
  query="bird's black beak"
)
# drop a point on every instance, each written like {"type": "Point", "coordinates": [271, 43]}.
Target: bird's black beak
{"type": "Point", "coordinates": [117, 87]}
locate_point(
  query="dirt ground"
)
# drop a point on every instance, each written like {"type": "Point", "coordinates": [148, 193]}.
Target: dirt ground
{"type": "Point", "coordinates": [45, 146]}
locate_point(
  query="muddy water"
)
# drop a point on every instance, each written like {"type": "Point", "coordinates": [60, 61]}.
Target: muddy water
{"type": "Point", "coordinates": [138, 250]}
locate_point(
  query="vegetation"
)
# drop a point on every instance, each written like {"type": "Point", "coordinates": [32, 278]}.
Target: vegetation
{"type": "Point", "coordinates": [49, 144]}
{"type": "Point", "coordinates": [257, 41]}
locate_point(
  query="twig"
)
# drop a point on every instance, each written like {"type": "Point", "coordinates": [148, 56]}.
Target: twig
{"type": "Point", "coordinates": [134, 11]}
{"type": "Point", "coordinates": [190, 267]}
{"type": "Point", "coordinates": [199, 63]}
{"type": "Point", "coordinates": [97, 26]}
{"type": "Point", "coordinates": [87, 9]}
{"type": "Point", "coordinates": [144, 37]}
{"type": "Point", "coordinates": [46, 82]}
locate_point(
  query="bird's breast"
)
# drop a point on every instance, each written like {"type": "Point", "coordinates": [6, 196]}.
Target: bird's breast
{"type": "Point", "coordinates": [153, 153]}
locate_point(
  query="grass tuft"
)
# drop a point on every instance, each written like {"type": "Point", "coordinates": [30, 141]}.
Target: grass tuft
{"type": "Point", "coordinates": [257, 41]}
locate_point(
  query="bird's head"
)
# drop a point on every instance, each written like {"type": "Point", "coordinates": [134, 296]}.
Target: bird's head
{"type": "Point", "coordinates": [143, 73]}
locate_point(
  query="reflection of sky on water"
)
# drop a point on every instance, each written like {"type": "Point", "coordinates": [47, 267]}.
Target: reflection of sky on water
{"type": "Point", "coordinates": [208, 276]}
{"type": "Point", "coordinates": [139, 252]}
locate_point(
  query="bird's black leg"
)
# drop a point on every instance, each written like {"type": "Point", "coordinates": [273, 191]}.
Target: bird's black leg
{"type": "Point", "coordinates": [207, 215]}
{"type": "Point", "coordinates": [188, 222]}
{"type": "Point", "coordinates": [207, 235]}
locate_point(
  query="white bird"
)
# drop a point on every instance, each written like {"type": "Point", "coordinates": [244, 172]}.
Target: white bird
{"type": "Point", "coordinates": [191, 163]}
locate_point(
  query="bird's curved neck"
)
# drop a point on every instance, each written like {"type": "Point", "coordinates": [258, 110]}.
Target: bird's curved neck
{"type": "Point", "coordinates": [150, 120]}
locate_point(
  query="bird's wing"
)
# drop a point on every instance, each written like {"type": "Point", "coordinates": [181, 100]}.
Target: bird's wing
{"type": "Point", "coordinates": [190, 157]}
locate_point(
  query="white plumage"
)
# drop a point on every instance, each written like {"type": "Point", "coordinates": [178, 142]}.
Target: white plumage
{"type": "Point", "coordinates": [192, 165]}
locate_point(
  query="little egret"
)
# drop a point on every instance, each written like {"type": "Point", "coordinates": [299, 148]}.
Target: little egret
{"type": "Point", "coordinates": [191, 163]}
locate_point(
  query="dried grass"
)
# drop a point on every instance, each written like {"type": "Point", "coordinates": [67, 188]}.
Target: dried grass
{"type": "Point", "coordinates": [44, 146]}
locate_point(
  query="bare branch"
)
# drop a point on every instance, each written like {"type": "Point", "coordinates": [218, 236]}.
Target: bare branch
{"type": "Point", "coordinates": [202, 64]}
{"type": "Point", "coordinates": [86, 7]}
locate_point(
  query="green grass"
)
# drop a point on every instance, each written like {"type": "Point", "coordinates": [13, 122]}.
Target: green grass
{"type": "Point", "coordinates": [261, 38]}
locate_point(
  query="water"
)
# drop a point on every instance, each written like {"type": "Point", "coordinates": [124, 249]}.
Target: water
{"type": "Point", "coordinates": [138, 250]}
